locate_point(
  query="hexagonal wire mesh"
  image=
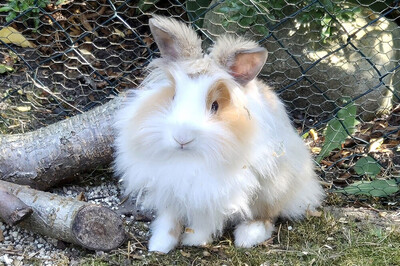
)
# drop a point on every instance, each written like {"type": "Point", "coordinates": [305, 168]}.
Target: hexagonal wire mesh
{"type": "Point", "coordinates": [334, 63]}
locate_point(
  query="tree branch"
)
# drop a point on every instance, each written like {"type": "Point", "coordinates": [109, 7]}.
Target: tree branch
{"type": "Point", "coordinates": [54, 154]}
{"type": "Point", "coordinates": [88, 225]}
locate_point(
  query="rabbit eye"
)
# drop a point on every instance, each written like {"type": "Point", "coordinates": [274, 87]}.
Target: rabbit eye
{"type": "Point", "coordinates": [214, 107]}
{"type": "Point", "coordinates": [173, 97]}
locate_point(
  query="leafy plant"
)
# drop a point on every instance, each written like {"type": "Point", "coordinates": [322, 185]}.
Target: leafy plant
{"type": "Point", "coordinates": [375, 188]}
{"type": "Point", "coordinates": [322, 16]}
{"type": "Point", "coordinates": [16, 7]}
{"type": "Point", "coordinates": [197, 10]}
{"type": "Point", "coordinates": [338, 129]}
{"type": "Point", "coordinates": [367, 166]}
{"type": "Point", "coordinates": [256, 13]}
{"type": "Point", "coordinates": [246, 14]}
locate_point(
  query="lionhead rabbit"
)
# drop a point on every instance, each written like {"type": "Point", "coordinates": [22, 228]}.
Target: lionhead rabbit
{"type": "Point", "coordinates": [203, 142]}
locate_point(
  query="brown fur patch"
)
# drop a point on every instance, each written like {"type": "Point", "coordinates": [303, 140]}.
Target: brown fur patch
{"type": "Point", "coordinates": [220, 93]}
{"type": "Point", "coordinates": [267, 212]}
{"type": "Point", "coordinates": [176, 231]}
{"type": "Point", "coordinates": [237, 118]}
{"type": "Point", "coordinates": [160, 99]}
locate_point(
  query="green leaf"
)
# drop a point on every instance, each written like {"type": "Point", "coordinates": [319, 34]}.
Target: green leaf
{"type": "Point", "coordinates": [225, 23]}
{"type": "Point", "coordinates": [225, 9]}
{"type": "Point", "coordinates": [328, 5]}
{"type": "Point", "coordinates": [375, 188]}
{"type": "Point", "coordinates": [5, 9]}
{"type": "Point", "coordinates": [5, 68]}
{"type": "Point", "coordinates": [305, 135]}
{"type": "Point", "coordinates": [25, 6]}
{"type": "Point", "coordinates": [335, 132]}
{"type": "Point", "coordinates": [236, 5]}
{"type": "Point", "coordinates": [326, 20]}
{"type": "Point", "coordinates": [245, 9]}
{"type": "Point", "coordinates": [36, 21]}
{"type": "Point", "coordinates": [144, 5]}
{"type": "Point", "coordinates": [367, 166]}
{"type": "Point", "coordinates": [261, 29]}
{"type": "Point", "coordinates": [236, 17]}
{"type": "Point", "coordinates": [197, 10]}
{"type": "Point", "coordinates": [246, 21]}
{"type": "Point", "coordinates": [325, 32]}
{"type": "Point", "coordinates": [11, 16]}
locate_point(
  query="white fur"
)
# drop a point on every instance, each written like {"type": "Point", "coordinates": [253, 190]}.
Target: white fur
{"type": "Point", "coordinates": [164, 228]}
{"type": "Point", "coordinates": [215, 178]}
{"type": "Point", "coordinates": [248, 234]}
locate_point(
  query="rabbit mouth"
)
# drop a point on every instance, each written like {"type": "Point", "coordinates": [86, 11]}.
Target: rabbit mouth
{"type": "Point", "coordinates": [183, 144]}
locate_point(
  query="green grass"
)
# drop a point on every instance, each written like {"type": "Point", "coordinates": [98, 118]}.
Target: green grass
{"type": "Point", "coordinates": [321, 240]}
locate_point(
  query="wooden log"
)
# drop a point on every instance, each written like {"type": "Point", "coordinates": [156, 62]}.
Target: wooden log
{"type": "Point", "coordinates": [12, 209]}
{"type": "Point", "coordinates": [88, 225]}
{"type": "Point", "coordinates": [56, 153]}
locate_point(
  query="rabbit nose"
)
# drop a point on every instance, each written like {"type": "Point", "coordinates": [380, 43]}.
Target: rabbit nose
{"type": "Point", "coordinates": [182, 141]}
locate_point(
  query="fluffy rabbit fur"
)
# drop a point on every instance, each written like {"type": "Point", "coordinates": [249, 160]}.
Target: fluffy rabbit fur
{"type": "Point", "coordinates": [204, 142]}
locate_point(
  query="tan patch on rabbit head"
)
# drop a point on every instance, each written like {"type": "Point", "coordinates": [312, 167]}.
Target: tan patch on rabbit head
{"type": "Point", "coordinates": [236, 117]}
{"type": "Point", "coordinates": [159, 99]}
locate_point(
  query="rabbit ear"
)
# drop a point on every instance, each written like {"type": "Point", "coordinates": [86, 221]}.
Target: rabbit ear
{"type": "Point", "coordinates": [175, 39]}
{"type": "Point", "coordinates": [243, 59]}
{"type": "Point", "coordinates": [247, 64]}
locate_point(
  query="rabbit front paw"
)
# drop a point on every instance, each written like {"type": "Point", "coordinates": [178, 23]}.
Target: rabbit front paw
{"type": "Point", "coordinates": [162, 242]}
{"type": "Point", "coordinates": [251, 233]}
{"type": "Point", "coordinates": [165, 233]}
{"type": "Point", "coordinates": [195, 237]}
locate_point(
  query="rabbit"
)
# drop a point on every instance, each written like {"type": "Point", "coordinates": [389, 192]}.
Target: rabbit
{"type": "Point", "coordinates": [204, 143]}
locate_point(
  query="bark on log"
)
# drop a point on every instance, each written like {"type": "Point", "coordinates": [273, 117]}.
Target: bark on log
{"type": "Point", "coordinates": [91, 226]}
{"type": "Point", "coordinates": [53, 154]}
{"type": "Point", "coordinates": [12, 209]}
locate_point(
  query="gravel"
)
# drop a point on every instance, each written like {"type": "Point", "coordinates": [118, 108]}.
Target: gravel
{"type": "Point", "coordinates": [21, 247]}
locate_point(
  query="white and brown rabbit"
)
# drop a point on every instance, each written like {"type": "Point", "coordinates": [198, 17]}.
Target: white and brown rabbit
{"type": "Point", "coordinates": [203, 142]}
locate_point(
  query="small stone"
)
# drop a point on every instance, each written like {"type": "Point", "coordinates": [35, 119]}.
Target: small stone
{"type": "Point", "coordinates": [7, 260]}
{"type": "Point", "coordinates": [100, 253]}
{"type": "Point", "coordinates": [185, 254]}
{"type": "Point", "coordinates": [206, 254]}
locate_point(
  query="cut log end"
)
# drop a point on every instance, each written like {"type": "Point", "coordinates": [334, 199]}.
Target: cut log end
{"type": "Point", "coordinates": [98, 228]}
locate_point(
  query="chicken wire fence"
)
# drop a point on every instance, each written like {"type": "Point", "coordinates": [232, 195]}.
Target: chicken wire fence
{"type": "Point", "coordinates": [335, 64]}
